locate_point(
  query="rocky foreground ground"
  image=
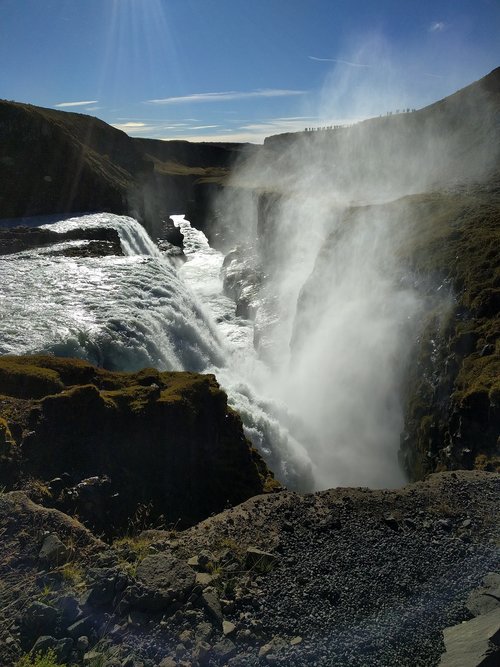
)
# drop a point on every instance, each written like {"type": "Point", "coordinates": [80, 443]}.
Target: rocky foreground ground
{"type": "Point", "coordinates": [346, 577]}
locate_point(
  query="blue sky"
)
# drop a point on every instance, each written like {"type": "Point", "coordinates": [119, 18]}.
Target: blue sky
{"type": "Point", "coordinates": [239, 70]}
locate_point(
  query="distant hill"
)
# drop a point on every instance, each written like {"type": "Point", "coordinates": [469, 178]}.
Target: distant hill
{"type": "Point", "coordinates": [60, 162]}
{"type": "Point", "coordinates": [453, 140]}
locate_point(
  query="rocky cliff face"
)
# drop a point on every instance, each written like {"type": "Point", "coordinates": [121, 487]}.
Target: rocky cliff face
{"type": "Point", "coordinates": [117, 443]}
{"type": "Point", "coordinates": [453, 406]}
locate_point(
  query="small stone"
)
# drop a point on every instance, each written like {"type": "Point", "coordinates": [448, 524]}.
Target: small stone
{"type": "Point", "coordinates": [82, 644]}
{"type": "Point", "coordinates": [261, 561]}
{"type": "Point", "coordinates": [186, 637]}
{"type": "Point", "coordinates": [204, 559]}
{"type": "Point", "coordinates": [228, 628]}
{"type": "Point", "coordinates": [193, 562]}
{"type": "Point", "coordinates": [224, 650]}
{"type": "Point", "coordinates": [211, 603]}
{"type": "Point", "coordinates": [53, 551]}
{"type": "Point", "coordinates": [204, 579]}
{"type": "Point", "coordinates": [444, 524]}
{"type": "Point", "coordinates": [201, 651]}
{"type": "Point", "coordinates": [203, 632]}
{"type": "Point", "coordinates": [391, 522]}
{"type": "Point", "coordinates": [296, 640]}
{"type": "Point", "coordinates": [265, 650]}
{"type": "Point", "coordinates": [168, 662]}
{"type": "Point", "coordinates": [83, 627]}
{"type": "Point", "coordinates": [466, 523]}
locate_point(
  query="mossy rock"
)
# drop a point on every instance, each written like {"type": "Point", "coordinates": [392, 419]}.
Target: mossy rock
{"type": "Point", "coordinates": [166, 440]}
{"type": "Point", "coordinates": [27, 380]}
{"type": "Point", "coordinates": [454, 240]}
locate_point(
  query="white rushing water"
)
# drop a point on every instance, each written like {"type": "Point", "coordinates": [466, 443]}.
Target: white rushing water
{"type": "Point", "coordinates": [125, 313]}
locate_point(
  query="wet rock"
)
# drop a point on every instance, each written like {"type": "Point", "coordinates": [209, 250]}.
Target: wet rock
{"type": "Point", "coordinates": [446, 525]}
{"type": "Point", "coordinates": [106, 583]}
{"type": "Point", "coordinates": [82, 644]}
{"type": "Point", "coordinates": [201, 652]}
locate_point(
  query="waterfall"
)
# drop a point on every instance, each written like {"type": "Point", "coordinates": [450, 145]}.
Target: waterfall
{"type": "Point", "coordinates": [126, 313]}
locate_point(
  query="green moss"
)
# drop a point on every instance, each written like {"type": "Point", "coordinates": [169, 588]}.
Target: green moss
{"type": "Point", "coordinates": [47, 659]}
{"type": "Point", "coordinates": [165, 440]}
{"type": "Point", "coordinates": [452, 412]}
{"type": "Point", "coordinates": [25, 380]}
{"type": "Point", "coordinates": [478, 375]}
{"type": "Point", "coordinates": [5, 434]}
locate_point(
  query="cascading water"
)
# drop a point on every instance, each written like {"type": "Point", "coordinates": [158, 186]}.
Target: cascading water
{"type": "Point", "coordinates": [125, 313]}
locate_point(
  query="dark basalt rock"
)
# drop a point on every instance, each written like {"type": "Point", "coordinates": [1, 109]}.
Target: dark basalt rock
{"type": "Point", "coordinates": [171, 234]}
{"type": "Point", "coordinates": [102, 241]}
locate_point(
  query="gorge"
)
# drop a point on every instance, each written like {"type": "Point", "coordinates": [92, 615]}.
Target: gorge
{"type": "Point", "coordinates": [343, 288]}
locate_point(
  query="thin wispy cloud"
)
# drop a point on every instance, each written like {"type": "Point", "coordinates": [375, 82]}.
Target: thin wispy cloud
{"type": "Point", "coordinates": [437, 26]}
{"type": "Point", "coordinates": [76, 104]}
{"type": "Point", "coordinates": [337, 60]}
{"type": "Point", "coordinates": [136, 128]}
{"type": "Point", "coordinates": [227, 96]}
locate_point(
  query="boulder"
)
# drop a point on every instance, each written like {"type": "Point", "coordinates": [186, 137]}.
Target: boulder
{"type": "Point", "coordinates": [53, 551]}
{"type": "Point", "coordinates": [475, 643]}
{"type": "Point", "coordinates": [166, 575]}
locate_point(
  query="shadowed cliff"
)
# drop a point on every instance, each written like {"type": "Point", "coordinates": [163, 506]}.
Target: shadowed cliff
{"type": "Point", "coordinates": [60, 162]}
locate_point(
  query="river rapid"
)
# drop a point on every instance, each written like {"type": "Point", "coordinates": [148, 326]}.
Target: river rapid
{"type": "Point", "coordinates": [143, 309]}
